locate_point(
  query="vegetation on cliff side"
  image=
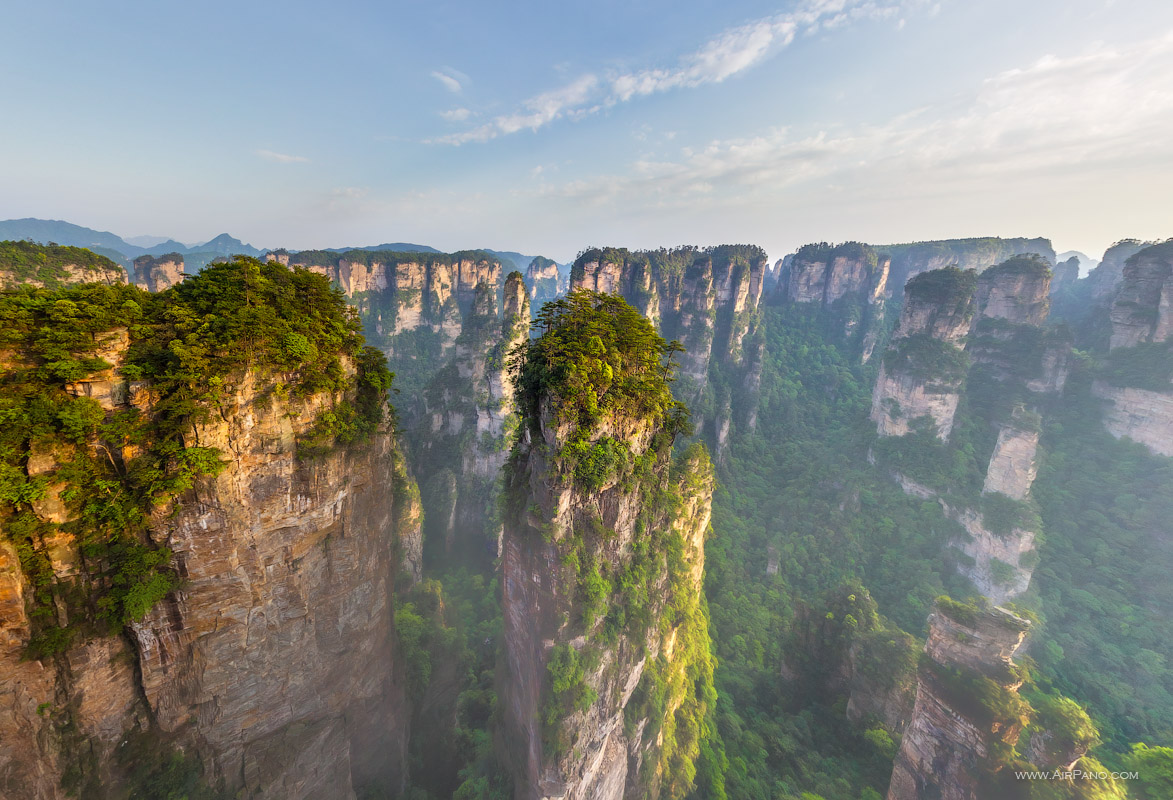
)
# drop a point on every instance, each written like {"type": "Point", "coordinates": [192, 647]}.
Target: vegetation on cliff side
{"type": "Point", "coordinates": [104, 471]}
{"type": "Point", "coordinates": [47, 264]}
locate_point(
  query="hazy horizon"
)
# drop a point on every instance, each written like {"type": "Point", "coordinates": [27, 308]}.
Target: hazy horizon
{"type": "Point", "coordinates": [547, 130]}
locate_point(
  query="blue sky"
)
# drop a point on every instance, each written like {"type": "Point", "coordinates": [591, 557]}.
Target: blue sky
{"type": "Point", "coordinates": [548, 127]}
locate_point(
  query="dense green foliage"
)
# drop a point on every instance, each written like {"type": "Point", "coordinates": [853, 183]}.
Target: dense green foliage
{"type": "Point", "coordinates": [944, 287]}
{"type": "Point", "coordinates": [186, 350]}
{"type": "Point", "coordinates": [47, 264]}
{"type": "Point", "coordinates": [1146, 366]}
{"type": "Point", "coordinates": [1105, 507]}
{"type": "Point", "coordinates": [925, 357]}
{"type": "Point", "coordinates": [596, 359]}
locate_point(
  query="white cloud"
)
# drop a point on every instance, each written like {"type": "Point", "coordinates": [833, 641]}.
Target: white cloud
{"type": "Point", "coordinates": [729, 53]}
{"type": "Point", "coordinates": [456, 114]}
{"type": "Point", "coordinates": [451, 83]}
{"type": "Point", "coordinates": [282, 158]}
{"type": "Point", "coordinates": [1100, 110]}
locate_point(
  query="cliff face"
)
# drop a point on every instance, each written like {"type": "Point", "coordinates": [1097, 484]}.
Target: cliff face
{"type": "Point", "coordinates": [950, 741]}
{"type": "Point", "coordinates": [157, 274]}
{"type": "Point", "coordinates": [1065, 274]}
{"type": "Point", "coordinates": [924, 366]}
{"type": "Point", "coordinates": [52, 266]}
{"type": "Point", "coordinates": [601, 582]}
{"type": "Point", "coordinates": [271, 657]}
{"type": "Point", "coordinates": [1109, 273]}
{"type": "Point", "coordinates": [1142, 311]}
{"type": "Point", "coordinates": [468, 417]}
{"type": "Point", "coordinates": [275, 659]}
{"type": "Point", "coordinates": [849, 281]}
{"type": "Point", "coordinates": [544, 280]}
{"type": "Point", "coordinates": [708, 301]}
{"type": "Point", "coordinates": [1016, 291]}
{"type": "Point", "coordinates": [909, 260]}
{"type": "Point", "coordinates": [1140, 414]}
{"type": "Point", "coordinates": [399, 293]}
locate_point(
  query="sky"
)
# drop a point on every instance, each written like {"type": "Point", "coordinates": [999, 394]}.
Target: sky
{"type": "Point", "coordinates": [551, 127]}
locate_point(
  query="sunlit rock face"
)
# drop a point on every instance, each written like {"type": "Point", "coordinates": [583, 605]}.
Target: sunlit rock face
{"type": "Point", "coordinates": [544, 281]}
{"type": "Point", "coordinates": [576, 673]}
{"type": "Point", "coordinates": [1140, 414]}
{"type": "Point", "coordinates": [946, 746]}
{"type": "Point", "coordinates": [157, 274]}
{"type": "Point", "coordinates": [708, 300]}
{"type": "Point", "coordinates": [275, 660]}
{"type": "Point", "coordinates": [405, 293]}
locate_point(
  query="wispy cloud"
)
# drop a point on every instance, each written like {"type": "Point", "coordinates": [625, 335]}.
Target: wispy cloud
{"type": "Point", "coordinates": [452, 80]}
{"type": "Point", "coordinates": [456, 114]}
{"type": "Point", "coordinates": [728, 54]}
{"type": "Point", "coordinates": [282, 158]}
{"type": "Point", "coordinates": [1096, 110]}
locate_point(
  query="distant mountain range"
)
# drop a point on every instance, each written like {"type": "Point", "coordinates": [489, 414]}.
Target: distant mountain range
{"type": "Point", "coordinates": [195, 257]}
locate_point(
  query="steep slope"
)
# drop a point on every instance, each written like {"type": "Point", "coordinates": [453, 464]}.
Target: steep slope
{"type": "Point", "coordinates": [201, 540]}
{"type": "Point", "coordinates": [606, 684]}
{"type": "Point", "coordinates": [707, 299]}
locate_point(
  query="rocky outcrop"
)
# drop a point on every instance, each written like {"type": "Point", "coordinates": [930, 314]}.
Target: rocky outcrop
{"type": "Point", "coordinates": [1107, 276]}
{"type": "Point", "coordinates": [923, 369]}
{"type": "Point", "coordinates": [909, 260]}
{"type": "Point", "coordinates": [544, 280]}
{"type": "Point", "coordinates": [1016, 291]}
{"type": "Point", "coordinates": [707, 299]}
{"type": "Point", "coordinates": [1140, 414]}
{"type": "Point", "coordinates": [1064, 275]}
{"type": "Point", "coordinates": [849, 281]}
{"type": "Point", "coordinates": [1000, 565]}
{"type": "Point", "coordinates": [577, 674]}
{"type": "Point", "coordinates": [949, 745]}
{"type": "Point", "coordinates": [1013, 467]}
{"type": "Point", "coordinates": [399, 293]}
{"type": "Point", "coordinates": [276, 658]}
{"type": "Point", "coordinates": [274, 661]}
{"type": "Point", "coordinates": [1142, 311]}
{"type": "Point", "coordinates": [823, 274]}
{"type": "Point", "coordinates": [157, 274]}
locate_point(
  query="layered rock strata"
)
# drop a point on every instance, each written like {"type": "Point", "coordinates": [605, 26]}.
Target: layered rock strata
{"type": "Point", "coordinates": [274, 660]}
{"type": "Point", "coordinates": [948, 744]}
{"type": "Point", "coordinates": [578, 671]}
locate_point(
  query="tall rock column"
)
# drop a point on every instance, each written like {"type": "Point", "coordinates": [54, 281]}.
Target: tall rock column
{"type": "Point", "coordinates": [968, 716]}
{"type": "Point", "coordinates": [606, 684]}
{"type": "Point", "coordinates": [924, 366]}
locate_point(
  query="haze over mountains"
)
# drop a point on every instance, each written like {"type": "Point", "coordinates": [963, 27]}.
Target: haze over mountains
{"type": "Point", "coordinates": [125, 249]}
